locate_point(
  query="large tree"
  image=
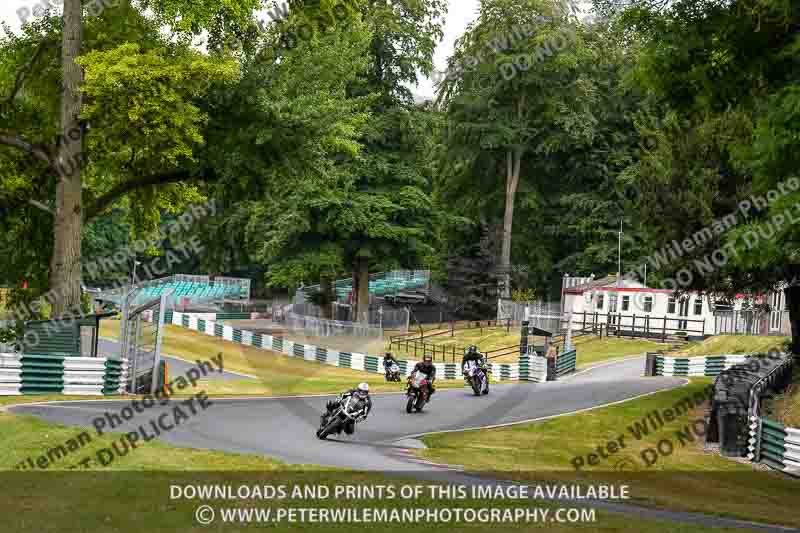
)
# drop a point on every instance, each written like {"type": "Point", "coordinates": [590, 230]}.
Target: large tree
{"type": "Point", "coordinates": [723, 77]}
{"type": "Point", "coordinates": [515, 95]}
{"type": "Point", "coordinates": [366, 201]}
{"type": "Point", "coordinates": [136, 98]}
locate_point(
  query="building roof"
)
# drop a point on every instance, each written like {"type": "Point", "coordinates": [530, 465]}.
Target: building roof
{"type": "Point", "coordinates": [609, 281]}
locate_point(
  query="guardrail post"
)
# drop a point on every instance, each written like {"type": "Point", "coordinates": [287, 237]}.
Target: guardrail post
{"type": "Point", "coordinates": [650, 364]}
{"type": "Point", "coordinates": [758, 436]}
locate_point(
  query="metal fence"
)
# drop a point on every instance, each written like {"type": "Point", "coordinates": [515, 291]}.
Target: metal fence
{"type": "Point", "coordinates": [380, 316]}
{"type": "Point", "coordinates": [141, 340]}
{"type": "Point", "coordinates": [751, 322]}
{"type": "Point", "coordinates": [320, 327]}
{"type": "Point", "coordinates": [543, 315]}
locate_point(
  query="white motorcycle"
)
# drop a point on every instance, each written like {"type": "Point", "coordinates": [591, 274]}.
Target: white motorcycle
{"type": "Point", "coordinates": [477, 376]}
{"type": "Point", "coordinates": [393, 373]}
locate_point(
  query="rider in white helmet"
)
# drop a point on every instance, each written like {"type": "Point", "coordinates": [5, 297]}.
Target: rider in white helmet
{"type": "Point", "coordinates": [362, 391]}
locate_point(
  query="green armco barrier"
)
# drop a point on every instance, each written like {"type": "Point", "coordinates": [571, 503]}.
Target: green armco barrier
{"type": "Point", "coordinates": [232, 316]}
{"type": "Point", "coordinates": [371, 363]}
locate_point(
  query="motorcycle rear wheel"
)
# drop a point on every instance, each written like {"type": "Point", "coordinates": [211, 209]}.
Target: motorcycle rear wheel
{"type": "Point", "coordinates": [420, 403]}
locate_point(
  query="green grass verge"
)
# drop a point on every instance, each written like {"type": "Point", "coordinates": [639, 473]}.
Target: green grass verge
{"type": "Point", "coordinates": [593, 350]}
{"type": "Point", "coordinates": [690, 478]}
{"type": "Point", "coordinates": [785, 407]}
{"type": "Point", "coordinates": [734, 344]}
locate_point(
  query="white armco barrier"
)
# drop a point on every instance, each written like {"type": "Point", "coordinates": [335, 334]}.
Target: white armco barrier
{"type": "Point", "coordinates": [10, 375]}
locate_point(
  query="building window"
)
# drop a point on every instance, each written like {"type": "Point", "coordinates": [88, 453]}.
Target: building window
{"type": "Point", "coordinates": [648, 304]}
{"type": "Point", "coordinates": [587, 298]}
{"type": "Point", "coordinates": [600, 301]}
{"type": "Point", "coordinates": [671, 305]}
{"type": "Point", "coordinates": [626, 303]}
{"type": "Point", "coordinates": [698, 305]}
{"type": "Point", "coordinates": [612, 303]}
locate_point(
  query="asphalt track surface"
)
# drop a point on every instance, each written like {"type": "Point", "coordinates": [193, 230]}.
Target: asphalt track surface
{"type": "Point", "coordinates": [284, 428]}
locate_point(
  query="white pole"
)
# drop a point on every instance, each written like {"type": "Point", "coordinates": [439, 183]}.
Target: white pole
{"type": "Point", "coordinates": [619, 256]}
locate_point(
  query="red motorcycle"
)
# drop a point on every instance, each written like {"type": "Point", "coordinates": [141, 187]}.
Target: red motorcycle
{"type": "Point", "coordinates": [417, 392]}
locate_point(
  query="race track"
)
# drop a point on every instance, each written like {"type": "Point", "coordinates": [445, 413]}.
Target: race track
{"type": "Point", "coordinates": [284, 428]}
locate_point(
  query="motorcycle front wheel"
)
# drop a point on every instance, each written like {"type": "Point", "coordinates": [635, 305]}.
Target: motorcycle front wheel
{"type": "Point", "coordinates": [476, 386]}
{"type": "Point", "coordinates": [410, 404]}
{"type": "Point", "coordinates": [323, 433]}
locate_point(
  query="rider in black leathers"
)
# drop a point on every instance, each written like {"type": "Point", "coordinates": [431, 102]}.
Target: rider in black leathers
{"type": "Point", "coordinates": [427, 367]}
{"type": "Point", "coordinates": [362, 391]}
{"type": "Point", "coordinates": [472, 354]}
{"type": "Point", "coordinates": [388, 361]}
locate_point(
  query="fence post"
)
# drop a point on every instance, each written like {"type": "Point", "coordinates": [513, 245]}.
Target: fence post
{"type": "Point", "coordinates": [619, 324]}
{"type": "Point", "coordinates": [664, 329]}
{"type": "Point", "coordinates": [633, 326]}
{"type": "Point", "coordinates": [584, 321]}
{"type": "Point", "coordinates": [703, 330]}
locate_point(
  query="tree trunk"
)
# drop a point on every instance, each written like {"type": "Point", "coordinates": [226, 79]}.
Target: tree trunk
{"type": "Point", "coordinates": [326, 288]}
{"type": "Point", "coordinates": [793, 303]}
{"type": "Point", "coordinates": [65, 267]}
{"type": "Point", "coordinates": [354, 293]}
{"type": "Point", "coordinates": [513, 161]}
{"type": "Point", "coordinates": [513, 164]}
{"type": "Point", "coordinates": [363, 290]}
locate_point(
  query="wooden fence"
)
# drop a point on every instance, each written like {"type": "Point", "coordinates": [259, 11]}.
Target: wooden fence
{"type": "Point", "coordinates": [643, 326]}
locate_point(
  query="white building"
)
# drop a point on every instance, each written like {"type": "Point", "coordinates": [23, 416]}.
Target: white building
{"type": "Point", "coordinates": [633, 307]}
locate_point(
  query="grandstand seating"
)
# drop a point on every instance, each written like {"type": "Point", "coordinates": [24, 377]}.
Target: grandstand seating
{"type": "Point", "coordinates": [182, 289]}
{"type": "Point", "coordinates": [195, 291]}
{"type": "Point", "coordinates": [386, 283]}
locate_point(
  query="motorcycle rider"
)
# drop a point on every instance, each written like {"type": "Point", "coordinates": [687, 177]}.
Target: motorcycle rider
{"type": "Point", "coordinates": [361, 392]}
{"type": "Point", "coordinates": [388, 361]}
{"type": "Point", "coordinates": [427, 367]}
{"type": "Point", "coordinates": [472, 354]}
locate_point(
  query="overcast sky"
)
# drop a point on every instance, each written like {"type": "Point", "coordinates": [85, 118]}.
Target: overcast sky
{"type": "Point", "coordinates": [460, 13]}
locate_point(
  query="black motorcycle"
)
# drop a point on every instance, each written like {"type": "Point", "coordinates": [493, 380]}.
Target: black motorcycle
{"type": "Point", "coordinates": [338, 414]}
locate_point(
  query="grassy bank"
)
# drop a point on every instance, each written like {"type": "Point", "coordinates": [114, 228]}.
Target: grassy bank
{"type": "Point", "coordinates": [276, 374]}
{"type": "Point", "coordinates": [687, 478]}
{"type": "Point", "coordinates": [734, 344]}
